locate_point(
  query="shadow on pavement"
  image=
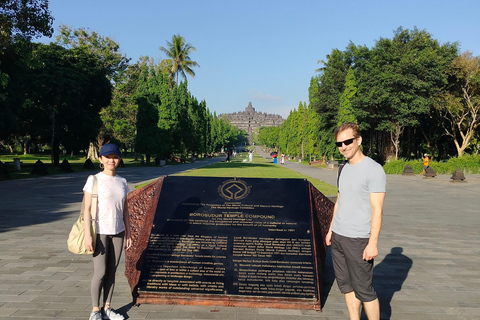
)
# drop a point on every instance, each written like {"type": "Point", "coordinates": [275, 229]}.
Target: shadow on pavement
{"type": "Point", "coordinates": [328, 278]}
{"type": "Point", "coordinates": [388, 278]}
{"type": "Point", "coordinates": [39, 201]}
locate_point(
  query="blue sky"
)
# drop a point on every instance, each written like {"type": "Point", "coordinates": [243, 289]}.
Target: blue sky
{"type": "Point", "coordinates": [264, 52]}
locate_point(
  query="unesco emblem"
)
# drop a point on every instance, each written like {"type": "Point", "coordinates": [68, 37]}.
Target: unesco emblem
{"type": "Point", "coordinates": [234, 190]}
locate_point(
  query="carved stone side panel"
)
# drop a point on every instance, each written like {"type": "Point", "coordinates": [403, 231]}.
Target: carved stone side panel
{"type": "Point", "coordinates": [322, 212]}
{"type": "Point", "coordinates": [142, 204]}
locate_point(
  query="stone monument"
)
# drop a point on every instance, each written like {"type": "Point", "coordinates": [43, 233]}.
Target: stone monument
{"type": "Point", "coordinates": [458, 176]}
{"type": "Point", "coordinates": [250, 120]}
{"type": "Point", "coordinates": [430, 173]}
{"type": "Point", "coordinates": [408, 171]}
{"type": "Point", "coordinates": [237, 242]}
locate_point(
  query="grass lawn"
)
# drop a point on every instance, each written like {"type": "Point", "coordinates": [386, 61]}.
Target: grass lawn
{"type": "Point", "coordinates": [28, 160]}
{"type": "Point", "coordinates": [76, 162]}
{"type": "Point", "coordinates": [259, 168]}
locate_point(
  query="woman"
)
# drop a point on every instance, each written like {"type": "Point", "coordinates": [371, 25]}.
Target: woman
{"type": "Point", "coordinates": [113, 227]}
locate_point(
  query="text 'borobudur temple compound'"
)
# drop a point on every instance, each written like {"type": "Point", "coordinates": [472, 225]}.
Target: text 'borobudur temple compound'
{"type": "Point", "coordinates": [250, 120]}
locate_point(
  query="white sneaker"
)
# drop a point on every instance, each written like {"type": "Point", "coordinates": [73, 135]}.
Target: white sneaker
{"type": "Point", "coordinates": [111, 314]}
{"type": "Point", "coordinates": [95, 315]}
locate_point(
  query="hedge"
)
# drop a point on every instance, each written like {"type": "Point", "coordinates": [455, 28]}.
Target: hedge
{"type": "Point", "coordinates": [468, 164]}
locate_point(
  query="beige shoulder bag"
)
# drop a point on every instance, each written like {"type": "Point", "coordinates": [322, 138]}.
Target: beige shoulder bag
{"type": "Point", "coordinates": [76, 238]}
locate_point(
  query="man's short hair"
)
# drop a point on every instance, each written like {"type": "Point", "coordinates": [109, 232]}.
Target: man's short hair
{"type": "Point", "coordinates": [348, 125]}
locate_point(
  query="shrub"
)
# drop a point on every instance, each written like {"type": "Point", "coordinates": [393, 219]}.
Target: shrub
{"type": "Point", "coordinates": [397, 166]}
{"type": "Point", "coordinates": [468, 164]}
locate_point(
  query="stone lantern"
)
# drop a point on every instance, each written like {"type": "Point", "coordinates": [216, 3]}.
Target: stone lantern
{"type": "Point", "coordinates": [458, 176]}
{"type": "Point", "coordinates": [408, 171]}
{"type": "Point", "coordinates": [430, 173]}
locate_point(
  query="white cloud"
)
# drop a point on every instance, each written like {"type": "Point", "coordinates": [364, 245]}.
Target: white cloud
{"type": "Point", "coordinates": [259, 95]}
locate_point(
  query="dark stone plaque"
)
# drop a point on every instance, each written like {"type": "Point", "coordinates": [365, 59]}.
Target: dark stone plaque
{"type": "Point", "coordinates": [226, 236]}
{"type": "Point", "coordinates": [233, 239]}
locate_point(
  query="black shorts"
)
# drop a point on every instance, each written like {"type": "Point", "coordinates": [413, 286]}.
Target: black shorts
{"type": "Point", "coordinates": [351, 271]}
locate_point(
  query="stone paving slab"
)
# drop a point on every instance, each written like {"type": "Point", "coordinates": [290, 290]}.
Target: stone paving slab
{"type": "Point", "coordinates": [428, 267]}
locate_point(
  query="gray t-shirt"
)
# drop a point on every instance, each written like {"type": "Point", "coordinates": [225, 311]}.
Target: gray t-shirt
{"type": "Point", "coordinates": [354, 211]}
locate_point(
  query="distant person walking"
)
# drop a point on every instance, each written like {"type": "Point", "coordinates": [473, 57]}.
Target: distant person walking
{"type": "Point", "coordinates": [282, 159]}
{"type": "Point", "coordinates": [113, 227]}
{"type": "Point", "coordinates": [356, 223]}
{"type": "Point", "coordinates": [250, 156]}
{"type": "Point", "coordinates": [425, 162]}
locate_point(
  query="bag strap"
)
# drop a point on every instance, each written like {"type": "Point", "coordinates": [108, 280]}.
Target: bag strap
{"type": "Point", "coordinates": [340, 168]}
{"type": "Point", "coordinates": [93, 209]}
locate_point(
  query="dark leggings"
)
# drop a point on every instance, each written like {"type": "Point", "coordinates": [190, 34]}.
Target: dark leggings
{"type": "Point", "coordinates": [108, 250]}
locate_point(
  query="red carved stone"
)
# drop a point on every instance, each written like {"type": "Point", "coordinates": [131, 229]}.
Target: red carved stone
{"type": "Point", "coordinates": [142, 204]}
{"type": "Point", "coordinates": [322, 212]}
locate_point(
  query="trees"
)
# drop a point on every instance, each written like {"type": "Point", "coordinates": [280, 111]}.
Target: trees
{"type": "Point", "coordinates": [198, 119]}
{"type": "Point", "coordinates": [120, 115]}
{"type": "Point", "coordinates": [60, 93]}
{"type": "Point", "coordinates": [389, 88]}
{"type": "Point", "coordinates": [20, 22]}
{"type": "Point", "coordinates": [269, 137]}
{"type": "Point", "coordinates": [298, 135]}
{"type": "Point", "coordinates": [222, 134]}
{"type": "Point", "coordinates": [152, 94]}
{"type": "Point", "coordinates": [148, 138]}
{"type": "Point", "coordinates": [325, 94]}
{"type": "Point", "coordinates": [345, 111]}
{"type": "Point", "coordinates": [179, 61]}
{"type": "Point", "coordinates": [398, 83]}
{"type": "Point", "coordinates": [166, 119]}
{"type": "Point", "coordinates": [24, 20]}
{"type": "Point", "coordinates": [459, 103]}
{"type": "Point", "coordinates": [106, 49]}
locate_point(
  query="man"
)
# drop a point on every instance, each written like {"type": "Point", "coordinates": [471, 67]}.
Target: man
{"type": "Point", "coordinates": [356, 223]}
{"type": "Point", "coordinates": [425, 163]}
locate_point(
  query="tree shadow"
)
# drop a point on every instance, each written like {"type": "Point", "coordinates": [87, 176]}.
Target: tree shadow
{"type": "Point", "coordinates": [43, 200]}
{"type": "Point", "coordinates": [40, 201]}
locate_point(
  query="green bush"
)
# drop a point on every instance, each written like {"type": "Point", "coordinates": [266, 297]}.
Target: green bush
{"type": "Point", "coordinates": [468, 164]}
{"type": "Point", "coordinates": [397, 166]}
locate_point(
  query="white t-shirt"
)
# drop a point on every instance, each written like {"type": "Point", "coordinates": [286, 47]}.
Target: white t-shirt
{"type": "Point", "coordinates": [112, 192]}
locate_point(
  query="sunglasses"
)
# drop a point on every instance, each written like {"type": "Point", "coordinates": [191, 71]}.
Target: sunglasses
{"type": "Point", "coordinates": [346, 142]}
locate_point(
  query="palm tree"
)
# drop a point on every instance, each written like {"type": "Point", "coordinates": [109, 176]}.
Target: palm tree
{"type": "Point", "coordinates": [179, 60]}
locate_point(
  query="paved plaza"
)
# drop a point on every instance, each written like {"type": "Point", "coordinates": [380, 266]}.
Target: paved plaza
{"type": "Point", "coordinates": [428, 267]}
